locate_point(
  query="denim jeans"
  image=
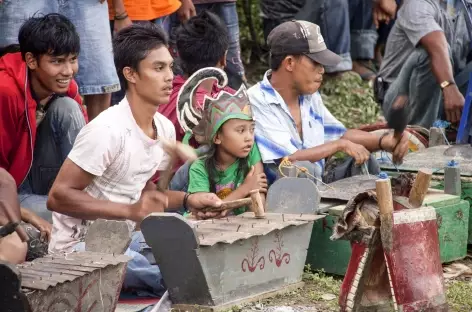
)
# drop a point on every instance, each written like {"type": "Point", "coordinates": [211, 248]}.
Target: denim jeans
{"type": "Point", "coordinates": [228, 13]}
{"type": "Point", "coordinates": [425, 100]}
{"type": "Point", "coordinates": [143, 277]}
{"type": "Point", "coordinates": [164, 23]}
{"type": "Point", "coordinates": [54, 140]}
{"type": "Point", "coordinates": [347, 28]}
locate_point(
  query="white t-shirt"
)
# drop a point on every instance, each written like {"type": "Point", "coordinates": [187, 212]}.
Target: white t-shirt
{"type": "Point", "coordinates": [122, 158]}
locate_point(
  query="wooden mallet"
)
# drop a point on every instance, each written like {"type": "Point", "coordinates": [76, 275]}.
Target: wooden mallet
{"type": "Point", "coordinates": [254, 202]}
{"type": "Point", "coordinates": [176, 150]}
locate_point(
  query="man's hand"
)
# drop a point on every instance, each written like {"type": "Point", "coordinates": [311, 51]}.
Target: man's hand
{"type": "Point", "coordinates": [384, 11]}
{"type": "Point", "coordinates": [150, 201]}
{"type": "Point", "coordinates": [453, 103]}
{"type": "Point", "coordinates": [356, 151]}
{"type": "Point", "coordinates": [186, 10]}
{"type": "Point", "coordinates": [120, 24]}
{"type": "Point", "coordinates": [397, 145]}
{"type": "Point", "coordinates": [197, 201]}
{"type": "Point", "coordinates": [41, 225]}
{"type": "Point", "coordinates": [255, 181]}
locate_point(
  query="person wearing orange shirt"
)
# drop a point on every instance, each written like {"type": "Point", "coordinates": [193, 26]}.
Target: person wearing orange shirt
{"type": "Point", "coordinates": [123, 12]}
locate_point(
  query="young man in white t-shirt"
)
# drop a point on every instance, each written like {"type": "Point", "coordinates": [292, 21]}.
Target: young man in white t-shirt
{"type": "Point", "coordinates": [108, 173]}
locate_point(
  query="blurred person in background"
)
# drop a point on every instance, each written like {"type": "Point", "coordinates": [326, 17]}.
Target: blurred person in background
{"type": "Point", "coordinates": [123, 13]}
{"type": "Point", "coordinates": [227, 11]}
{"type": "Point", "coordinates": [428, 57]}
{"type": "Point", "coordinates": [348, 26]}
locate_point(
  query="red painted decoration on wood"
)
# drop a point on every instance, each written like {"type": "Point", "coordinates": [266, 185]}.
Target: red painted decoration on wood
{"type": "Point", "coordinates": [78, 306]}
{"type": "Point", "coordinates": [277, 254]}
{"type": "Point", "coordinates": [250, 259]}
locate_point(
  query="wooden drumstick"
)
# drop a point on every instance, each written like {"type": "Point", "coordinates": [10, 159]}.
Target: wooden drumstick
{"type": "Point", "coordinates": [176, 150]}
{"type": "Point", "coordinates": [254, 202]}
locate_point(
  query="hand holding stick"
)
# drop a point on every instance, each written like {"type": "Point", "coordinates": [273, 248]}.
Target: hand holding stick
{"type": "Point", "coordinates": [176, 150]}
{"type": "Point", "coordinates": [254, 202]}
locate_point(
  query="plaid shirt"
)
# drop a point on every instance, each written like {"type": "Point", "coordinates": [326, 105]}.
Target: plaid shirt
{"type": "Point", "coordinates": [276, 132]}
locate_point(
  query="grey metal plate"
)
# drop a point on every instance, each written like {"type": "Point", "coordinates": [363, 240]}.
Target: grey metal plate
{"type": "Point", "coordinates": [293, 195]}
{"type": "Point", "coordinates": [52, 270]}
{"type": "Point", "coordinates": [432, 158]}
{"type": "Point", "coordinates": [346, 189]}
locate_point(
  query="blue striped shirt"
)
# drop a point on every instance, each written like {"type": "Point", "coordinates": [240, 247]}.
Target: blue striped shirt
{"type": "Point", "coordinates": [276, 132]}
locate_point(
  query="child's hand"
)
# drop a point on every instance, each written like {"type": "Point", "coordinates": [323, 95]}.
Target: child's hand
{"type": "Point", "coordinates": [255, 181]}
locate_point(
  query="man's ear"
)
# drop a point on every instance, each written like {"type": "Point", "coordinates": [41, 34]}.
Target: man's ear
{"type": "Point", "coordinates": [289, 63]}
{"type": "Point", "coordinates": [222, 61]}
{"type": "Point", "coordinates": [31, 61]}
{"type": "Point", "coordinates": [129, 74]}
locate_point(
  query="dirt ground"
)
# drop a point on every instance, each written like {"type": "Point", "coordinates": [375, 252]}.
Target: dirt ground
{"type": "Point", "coordinates": [321, 291]}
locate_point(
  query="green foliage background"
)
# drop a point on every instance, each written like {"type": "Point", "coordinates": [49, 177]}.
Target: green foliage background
{"type": "Point", "coordinates": [348, 98]}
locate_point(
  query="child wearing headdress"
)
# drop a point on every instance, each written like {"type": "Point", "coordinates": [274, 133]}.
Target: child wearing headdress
{"type": "Point", "coordinates": [232, 166]}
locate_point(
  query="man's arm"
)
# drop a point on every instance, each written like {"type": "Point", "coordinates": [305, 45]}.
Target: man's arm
{"type": "Point", "coordinates": [9, 122]}
{"type": "Point", "coordinates": [369, 140]}
{"type": "Point", "coordinates": [9, 205]}
{"type": "Point", "coordinates": [67, 197]}
{"type": "Point", "coordinates": [319, 152]}
{"type": "Point", "coordinates": [118, 7]}
{"type": "Point", "coordinates": [12, 249]}
{"type": "Point", "coordinates": [436, 45]}
{"type": "Point", "coordinates": [121, 16]}
{"type": "Point", "coordinates": [419, 22]}
{"type": "Point", "coordinates": [357, 144]}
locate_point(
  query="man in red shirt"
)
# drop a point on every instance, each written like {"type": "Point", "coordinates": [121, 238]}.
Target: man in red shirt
{"type": "Point", "coordinates": [201, 42]}
{"type": "Point", "coordinates": [40, 112]}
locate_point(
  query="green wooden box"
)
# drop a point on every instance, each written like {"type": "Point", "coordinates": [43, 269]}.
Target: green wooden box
{"type": "Point", "coordinates": [325, 254]}
{"type": "Point", "coordinates": [466, 195]}
{"type": "Point", "coordinates": [333, 256]}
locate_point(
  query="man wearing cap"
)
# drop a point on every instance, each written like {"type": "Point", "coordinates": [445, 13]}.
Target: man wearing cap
{"type": "Point", "coordinates": [291, 119]}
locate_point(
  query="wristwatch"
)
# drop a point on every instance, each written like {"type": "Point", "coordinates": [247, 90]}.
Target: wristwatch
{"type": "Point", "coordinates": [446, 84]}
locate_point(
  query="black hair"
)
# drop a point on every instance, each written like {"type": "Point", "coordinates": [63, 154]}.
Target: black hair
{"type": "Point", "coordinates": [133, 44]}
{"type": "Point", "coordinates": [276, 60]}
{"type": "Point", "coordinates": [213, 173]}
{"type": "Point", "coordinates": [12, 48]}
{"type": "Point", "coordinates": [201, 42]}
{"type": "Point", "coordinates": [52, 34]}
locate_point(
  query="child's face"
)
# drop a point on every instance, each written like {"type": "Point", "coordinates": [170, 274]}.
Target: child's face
{"type": "Point", "coordinates": [236, 136]}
